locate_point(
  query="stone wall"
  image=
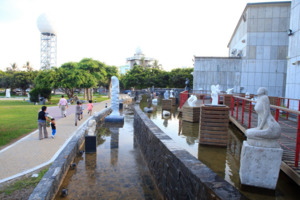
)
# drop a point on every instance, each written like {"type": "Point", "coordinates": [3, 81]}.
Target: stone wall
{"type": "Point", "coordinates": [50, 183]}
{"type": "Point", "coordinates": [177, 173]}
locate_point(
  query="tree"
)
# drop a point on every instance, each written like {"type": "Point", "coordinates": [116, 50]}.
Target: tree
{"type": "Point", "coordinates": [95, 68]}
{"type": "Point", "coordinates": [22, 80]}
{"type": "Point", "coordinates": [28, 67]}
{"type": "Point", "coordinates": [13, 67]}
{"type": "Point", "coordinates": [156, 65]}
{"type": "Point", "coordinates": [178, 77]}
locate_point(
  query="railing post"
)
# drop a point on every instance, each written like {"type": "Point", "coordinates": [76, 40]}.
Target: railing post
{"type": "Point", "coordinates": [203, 98]}
{"type": "Point", "coordinates": [232, 105]}
{"type": "Point", "coordinates": [298, 141]}
{"type": "Point", "coordinates": [277, 110]}
{"type": "Point", "coordinates": [288, 106]}
{"type": "Point", "coordinates": [250, 111]}
{"type": "Point", "coordinates": [237, 109]}
{"type": "Point", "coordinates": [243, 110]}
{"type": "Point", "coordinates": [218, 99]}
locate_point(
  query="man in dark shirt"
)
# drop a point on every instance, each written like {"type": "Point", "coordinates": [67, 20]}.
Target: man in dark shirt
{"type": "Point", "coordinates": [42, 118]}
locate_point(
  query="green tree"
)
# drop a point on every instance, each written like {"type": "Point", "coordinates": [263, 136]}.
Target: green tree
{"type": "Point", "coordinates": [22, 80]}
{"type": "Point", "coordinates": [95, 68]}
{"type": "Point", "coordinates": [178, 77]}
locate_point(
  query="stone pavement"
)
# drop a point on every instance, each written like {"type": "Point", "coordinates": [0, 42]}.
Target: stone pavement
{"type": "Point", "coordinates": [29, 153]}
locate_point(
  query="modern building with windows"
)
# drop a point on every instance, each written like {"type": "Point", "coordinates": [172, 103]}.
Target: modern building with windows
{"type": "Point", "coordinates": [257, 54]}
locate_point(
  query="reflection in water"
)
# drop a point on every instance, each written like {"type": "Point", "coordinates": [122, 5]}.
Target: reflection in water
{"type": "Point", "coordinates": [224, 161]}
{"type": "Point", "coordinates": [116, 171]}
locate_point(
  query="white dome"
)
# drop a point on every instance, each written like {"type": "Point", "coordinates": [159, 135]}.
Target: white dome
{"type": "Point", "coordinates": [45, 24]}
{"type": "Point", "coordinates": [138, 50]}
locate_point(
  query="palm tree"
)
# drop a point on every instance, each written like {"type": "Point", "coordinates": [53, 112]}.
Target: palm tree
{"type": "Point", "coordinates": [156, 65]}
{"type": "Point", "coordinates": [13, 67]}
{"type": "Point", "coordinates": [28, 67]}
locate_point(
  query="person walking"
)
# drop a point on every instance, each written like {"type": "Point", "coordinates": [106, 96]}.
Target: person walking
{"type": "Point", "coordinates": [63, 105]}
{"type": "Point", "coordinates": [78, 111]}
{"type": "Point", "coordinates": [53, 127]}
{"type": "Point", "coordinates": [42, 118]}
{"type": "Point", "coordinates": [90, 107]}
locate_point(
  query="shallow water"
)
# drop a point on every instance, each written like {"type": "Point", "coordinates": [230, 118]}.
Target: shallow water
{"type": "Point", "coordinates": [223, 161]}
{"type": "Point", "coordinates": [116, 171]}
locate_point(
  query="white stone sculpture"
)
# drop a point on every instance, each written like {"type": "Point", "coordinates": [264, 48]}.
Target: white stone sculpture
{"type": "Point", "coordinates": [247, 95]}
{"type": "Point", "coordinates": [166, 94]}
{"type": "Point", "coordinates": [229, 91]}
{"type": "Point", "coordinates": [215, 89]}
{"type": "Point", "coordinates": [115, 116]}
{"type": "Point", "coordinates": [7, 93]}
{"type": "Point", "coordinates": [192, 100]}
{"type": "Point", "coordinates": [261, 154]}
{"type": "Point", "coordinates": [91, 127]}
{"type": "Point", "coordinates": [267, 132]}
{"type": "Point", "coordinates": [115, 90]}
{"type": "Point", "coordinates": [171, 93]}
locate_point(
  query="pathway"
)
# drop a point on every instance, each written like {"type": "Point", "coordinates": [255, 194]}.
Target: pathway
{"type": "Point", "coordinates": [29, 153]}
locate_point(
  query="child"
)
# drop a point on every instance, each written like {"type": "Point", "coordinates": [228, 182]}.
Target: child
{"type": "Point", "coordinates": [81, 114]}
{"type": "Point", "coordinates": [77, 112]}
{"type": "Point", "coordinates": [53, 127]}
{"type": "Point", "coordinates": [90, 107]}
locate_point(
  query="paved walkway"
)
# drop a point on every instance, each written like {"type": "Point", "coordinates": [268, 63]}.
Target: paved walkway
{"type": "Point", "coordinates": [30, 153]}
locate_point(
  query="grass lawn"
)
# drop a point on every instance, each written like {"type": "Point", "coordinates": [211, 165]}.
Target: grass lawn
{"type": "Point", "coordinates": [18, 118]}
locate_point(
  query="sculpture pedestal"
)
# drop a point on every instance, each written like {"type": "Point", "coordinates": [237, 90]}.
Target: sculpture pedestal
{"type": "Point", "coordinates": [260, 166]}
{"type": "Point", "coordinates": [191, 114]}
{"type": "Point", "coordinates": [213, 126]}
{"type": "Point", "coordinates": [166, 104]}
{"type": "Point", "coordinates": [148, 110]}
{"type": "Point", "coordinates": [173, 101]}
{"type": "Point", "coordinates": [90, 144]}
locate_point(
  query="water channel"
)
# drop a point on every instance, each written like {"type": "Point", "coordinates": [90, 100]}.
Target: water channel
{"type": "Point", "coordinates": [118, 171]}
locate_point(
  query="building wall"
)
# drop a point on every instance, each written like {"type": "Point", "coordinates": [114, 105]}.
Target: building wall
{"type": "Point", "coordinates": [293, 69]}
{"type": "Point", "coordinates": [217, 70]}
{"type": "Point", "coordinates": [262, 36]}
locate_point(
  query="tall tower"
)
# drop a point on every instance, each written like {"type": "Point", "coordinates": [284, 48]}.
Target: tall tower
{"type": "Point", "coordinates": [48, 42]}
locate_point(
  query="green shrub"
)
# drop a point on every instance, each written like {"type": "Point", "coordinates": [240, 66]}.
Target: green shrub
{"type": "Point", "coordinates": [43, 92]}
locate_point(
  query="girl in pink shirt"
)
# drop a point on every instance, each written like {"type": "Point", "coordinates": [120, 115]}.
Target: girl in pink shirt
{"type": "Point", "coordinates": [90, 107]}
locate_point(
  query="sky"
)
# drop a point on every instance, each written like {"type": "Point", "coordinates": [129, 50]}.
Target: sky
{"type": "Point", "coordinates": [171, 31]}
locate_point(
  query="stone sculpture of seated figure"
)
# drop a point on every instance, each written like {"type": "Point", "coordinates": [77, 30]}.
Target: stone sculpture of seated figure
{"type": "Point", "coordinates": [267, 132]}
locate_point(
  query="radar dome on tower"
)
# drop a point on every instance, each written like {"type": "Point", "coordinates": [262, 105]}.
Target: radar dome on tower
{"type": "Point", "coordinates": [45, 24]}
{"type": "Point", "coordinates": [138, 51]}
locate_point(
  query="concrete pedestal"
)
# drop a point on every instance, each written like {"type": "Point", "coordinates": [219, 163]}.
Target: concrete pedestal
{"type": "Point", "coordinates": [260, 166]}
{"type": "Point", "coordinates": [90, 144]}
{"type": "Point", "coordinates": [114, 119]}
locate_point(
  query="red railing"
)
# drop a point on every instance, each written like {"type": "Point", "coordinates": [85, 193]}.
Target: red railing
{"type": "Point", "coordinates": [235, 102]}
{"type": "Point", "coordinates": [183, 98]}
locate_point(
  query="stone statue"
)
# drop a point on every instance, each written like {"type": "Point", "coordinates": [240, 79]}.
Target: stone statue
{"type": "Point", "coordinates": [215, 89]}
{"type": "Point", "coordinates": [268, 130]}
{"type": "Point", "coordinates": [115, 90]}
{"type": "Point", "coordinates": [187, 84]}
{"type": "Point", "coordinates": [192, 100]}
{"type": "Point", "coordinates": [261, 154]}
{"type": "Point", "coordinates": [229, 91]}
{"type": "Point", "coordinates": [115, 116]}
{"type": "Point", "coordinates": [247, 95]}
{"type": "Point", "coordinates": [7, 94]}
{"type": "Point", "coordinates": [171, 93]}
{"type": "Point", "coordinates": [149, 99]}
{"type": "Point", "coordinates": [166, 94]}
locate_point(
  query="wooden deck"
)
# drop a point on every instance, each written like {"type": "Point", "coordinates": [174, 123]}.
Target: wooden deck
{"type": "Point", "coordinates": [287, 141]}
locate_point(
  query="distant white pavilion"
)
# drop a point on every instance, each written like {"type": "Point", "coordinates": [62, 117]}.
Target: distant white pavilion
{"type": "Point", "coordinates": [138, 57]}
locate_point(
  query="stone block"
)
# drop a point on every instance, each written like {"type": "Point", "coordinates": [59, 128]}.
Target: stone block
{"type": "Point", "coordinates": [260, 166]}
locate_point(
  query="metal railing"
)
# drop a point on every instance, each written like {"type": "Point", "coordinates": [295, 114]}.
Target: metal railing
{"type": "Point", "coordinates": [237, 101]}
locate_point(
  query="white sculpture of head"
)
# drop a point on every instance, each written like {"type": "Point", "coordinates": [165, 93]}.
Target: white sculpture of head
{"type": "Point", "coordinates": [166, 94]}
{"type": "Point", "coordinates": [115, 90]}
{"type": "Point", "coordinates": [171, 93]}
{"type": "Point", "coordinates": [247, 95]}
{"type": "Point", "coordinates": [192, 100]}
{"type": "Point", "coordinates": [229, 91]}
{"type": "Point", "coordinates": [215, 89]}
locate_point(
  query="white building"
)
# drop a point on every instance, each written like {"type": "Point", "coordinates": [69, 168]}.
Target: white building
{"type": "Point", "coordinates": [257, 53]}
{"type": "Point", "coordinates": [139, 59]}
{"type": "Point", "coordinates": [293, 64]}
